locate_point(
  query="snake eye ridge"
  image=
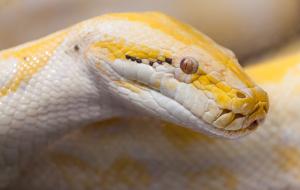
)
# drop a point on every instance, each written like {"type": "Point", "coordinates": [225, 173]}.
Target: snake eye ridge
{"type": "Point", "coordinates": [148, 61]}
{"type": "Point", "coordinates": [189, 65]}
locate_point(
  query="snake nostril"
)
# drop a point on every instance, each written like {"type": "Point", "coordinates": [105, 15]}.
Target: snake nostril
{"type": "Point", "coordinates": [240, 94]}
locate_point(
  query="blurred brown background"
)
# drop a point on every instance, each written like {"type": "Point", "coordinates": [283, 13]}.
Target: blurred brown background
{"type": "Point", "coordinates": [248, 27]}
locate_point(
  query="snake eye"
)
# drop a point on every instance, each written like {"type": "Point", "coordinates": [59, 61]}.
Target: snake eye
{"type": "Point", "coordinates": [189, 65]}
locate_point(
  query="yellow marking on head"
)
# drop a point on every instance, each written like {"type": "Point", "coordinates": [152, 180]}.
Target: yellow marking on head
{"type": "Point", "coordinates": [118, 48]}
{"type": "Point", "coordinates": [273, 70]}
{"type": "Point", "coordinates": [185, 34]}
{"type": "Point", "coordinates": [224, 95]}
{"type": "Point", "coordinates": [183, 138]}
{"type": "Point", "coordinates": [126, 171]}
{"type": "Point", "coordinates": [32, 57]}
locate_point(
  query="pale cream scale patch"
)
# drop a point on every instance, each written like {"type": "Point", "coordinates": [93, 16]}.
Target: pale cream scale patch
{"type": "Point", "coordinates": [8, 70]}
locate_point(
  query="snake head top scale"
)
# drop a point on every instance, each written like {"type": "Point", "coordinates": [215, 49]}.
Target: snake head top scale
{"type": "Point", "coordinates": [172, 71]}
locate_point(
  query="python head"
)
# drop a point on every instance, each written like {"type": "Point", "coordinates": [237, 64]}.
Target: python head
{"type": "Point", "coordinates": [172, 71]}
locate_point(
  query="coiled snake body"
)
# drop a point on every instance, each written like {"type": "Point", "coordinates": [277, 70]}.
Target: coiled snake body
{"type": "Point", "coordinates": [142, 64]}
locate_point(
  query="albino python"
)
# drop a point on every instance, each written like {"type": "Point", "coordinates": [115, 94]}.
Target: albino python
{"type": "Point", "coordinates": [82, 109]}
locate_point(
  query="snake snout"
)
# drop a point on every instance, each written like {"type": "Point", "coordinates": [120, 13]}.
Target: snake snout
{"type": "Point", "coordinates": [259, 111]}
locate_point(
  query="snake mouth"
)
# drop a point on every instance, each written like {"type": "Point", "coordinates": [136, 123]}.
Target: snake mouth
{"type": "Point", "coordinates": [257, 116]}
{"type": "Point", "coordinates": [243, 124]}
{"type": "Point", "coordinates": [240, 121]}
{"type": "Point", "coordinates": [254, 124]}
{"type": "Point", "coordinates": [240, 125]}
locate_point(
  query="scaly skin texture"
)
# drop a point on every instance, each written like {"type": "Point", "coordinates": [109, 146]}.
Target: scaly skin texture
{"type": "Point", "coordinates": [120, 65]}
{"type": "Point", "coordinates": [140, 153]}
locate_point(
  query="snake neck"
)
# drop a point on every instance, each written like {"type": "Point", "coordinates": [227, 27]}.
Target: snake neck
{"type": "Point", "coordinates": [46, 103]}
